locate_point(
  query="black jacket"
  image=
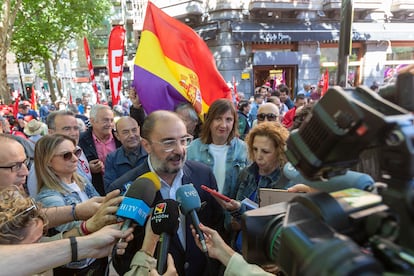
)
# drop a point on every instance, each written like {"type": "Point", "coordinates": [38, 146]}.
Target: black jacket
{"type": "Point", "coordinates": [88, 146]}
{"type": "Point", "coordinates": [191, 261]}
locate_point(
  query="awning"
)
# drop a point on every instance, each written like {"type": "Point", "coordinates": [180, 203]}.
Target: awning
{"type": "Point", "coordinates": [208, 31]}
{"type": "Point", "coordinates": [311, 31]}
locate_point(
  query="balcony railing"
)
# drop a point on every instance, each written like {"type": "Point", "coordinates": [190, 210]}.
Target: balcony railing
{"type": "Point", "coordinates": [282, 4]}
{"type": "Point", "coordinates": [402, 5]}
{"type": "Point", "coordinates": [358, 4]}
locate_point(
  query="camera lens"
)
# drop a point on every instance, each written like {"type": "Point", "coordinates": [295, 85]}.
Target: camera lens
{"type": "Point", "coordinates": [272, 237]}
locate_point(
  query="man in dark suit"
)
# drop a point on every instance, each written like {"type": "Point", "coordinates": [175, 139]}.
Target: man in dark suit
{"type": "Point", "coordinates": [165, 138]}
{"type": "Point", "coordinates": [98, 141]}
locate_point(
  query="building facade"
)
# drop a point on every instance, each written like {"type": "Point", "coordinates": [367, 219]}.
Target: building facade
{"type": "Point", "coordinates": [276, 41]}
{"type": "Point", "coordinates": [295, 41]}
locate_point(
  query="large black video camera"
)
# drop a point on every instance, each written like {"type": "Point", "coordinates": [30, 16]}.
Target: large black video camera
{"type": "Point", "coordinates": [350, 232]}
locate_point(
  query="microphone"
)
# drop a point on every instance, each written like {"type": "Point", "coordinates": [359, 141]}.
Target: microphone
{"type": "Point", "coordinates": [189, 201]}
{"type": "Point", "coordinates": [164, 222]}
{"type": "Point", "coordinates": [350, 179]}
{"type": "Point", "coordinates": [138, 198]}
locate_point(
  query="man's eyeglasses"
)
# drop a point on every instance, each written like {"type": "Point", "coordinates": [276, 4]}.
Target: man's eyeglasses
{"type": "Point", "coordinates": [170, 144]}
{"type": "Point", "coordinates": [269, 116]}
{"type": "Point", "coordinates": [68, 155]}
{"type": "Point", "coordinates": [17, 166]}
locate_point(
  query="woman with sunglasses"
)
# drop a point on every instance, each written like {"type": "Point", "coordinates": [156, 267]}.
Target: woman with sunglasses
{"type": "Point", "coordinates": [56, 158]}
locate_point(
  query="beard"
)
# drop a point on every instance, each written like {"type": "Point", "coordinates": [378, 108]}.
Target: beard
{"type": "Point", "coordinates": [162, 166]}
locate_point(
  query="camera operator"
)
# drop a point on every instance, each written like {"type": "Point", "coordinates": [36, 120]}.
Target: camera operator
{"type": "Point", "coordinates": [218, 249]}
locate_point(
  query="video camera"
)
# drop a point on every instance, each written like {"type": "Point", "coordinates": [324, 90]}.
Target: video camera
{"type": "Point", "coordinates": [349, 232]}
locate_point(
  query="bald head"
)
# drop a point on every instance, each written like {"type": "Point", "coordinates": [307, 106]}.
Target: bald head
{"type": "Point", "coordinates": [127, 132]}
{"type": "Point", "coordinates": [267, 112]}
{"type": "Point", "coordinates": [268, 108]}
{"type": "Point", "coordinates": [156, 118]}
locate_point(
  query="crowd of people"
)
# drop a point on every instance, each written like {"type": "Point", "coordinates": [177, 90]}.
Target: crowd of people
{"type": "Point", "coordinates": [62, 173]}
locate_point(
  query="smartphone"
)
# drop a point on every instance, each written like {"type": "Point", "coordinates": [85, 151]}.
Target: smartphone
{"type": "Point", "coordinates": [215, 193]}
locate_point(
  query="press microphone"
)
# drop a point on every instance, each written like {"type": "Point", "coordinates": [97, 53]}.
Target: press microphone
{"type": "Point", "coordinates": [350, 179]}
{"type": "Point", "coordinates": [189, 201]}
{"type": "Point", "coordinates": [137, 199]}
{"type": "Point", "coordinates": [164, 222]}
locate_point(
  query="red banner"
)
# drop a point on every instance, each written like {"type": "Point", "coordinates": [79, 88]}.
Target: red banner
{"type": "Point", "coordinates": [33, 99]}
{"type": "Point", "coordinates": [16, 107]}
{"type": "Point", "coordinates": [116, 61]}
{"type": "Point", "coordinates": [325, 78]}
{"type": "Point", "coordinates": [236, 95]}
{"type": "Point", "coordinates": [90, 67]}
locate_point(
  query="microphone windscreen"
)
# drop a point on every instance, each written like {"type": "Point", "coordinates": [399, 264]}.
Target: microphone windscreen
{"type": "Point", "coordinates": [165, 216]}
{"type": "Point", "coordinates": [188, 198]}
{"type": "Point", "coordinates": [143, 188]}
{"type": "Point", "coordinates": [154, 178]}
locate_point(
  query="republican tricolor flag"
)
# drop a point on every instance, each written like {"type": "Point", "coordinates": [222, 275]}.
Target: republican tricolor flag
{"type": "Point", "coordinates": [173, 64]}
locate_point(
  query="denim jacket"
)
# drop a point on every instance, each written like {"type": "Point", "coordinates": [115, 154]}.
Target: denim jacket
{"type": "Point", "coordinates": [249, 182]}
{"type": "Point", "coordinates": [235, 162]}
{"type": "Point", "coordinates": [117, 164]}
{"type": "Point", "coordinates": [52, 198]}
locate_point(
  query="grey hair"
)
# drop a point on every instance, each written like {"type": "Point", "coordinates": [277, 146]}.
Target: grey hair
{"type": "Point", "coordinates": [187, 106]}
{"type": "Point", "coordinates": [95, 110]}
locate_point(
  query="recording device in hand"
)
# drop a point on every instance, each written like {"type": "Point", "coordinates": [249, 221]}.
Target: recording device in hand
{"type": "Point", "coordinates": [215, 193]}
{"type": "Point", "coordinates": [349, 232]}
{"type": "Point", "coordinates": [189, 201]}
{"type": "Point", "coordinates": [164, 222]}
{"type": "Point", "coordinates": [137, 199]}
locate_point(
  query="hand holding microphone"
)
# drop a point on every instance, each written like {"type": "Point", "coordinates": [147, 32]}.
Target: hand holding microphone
{"type": "Point", "coordinates": [164, 222]}
{"type": "Point", "coordinates": [189, 201]}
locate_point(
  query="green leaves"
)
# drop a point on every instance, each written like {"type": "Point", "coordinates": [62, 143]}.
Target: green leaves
{"type": "Point", "coordinates": [47, 26]}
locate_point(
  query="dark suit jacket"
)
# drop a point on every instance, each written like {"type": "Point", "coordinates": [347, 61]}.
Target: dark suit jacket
{"type": "Point", "coordinates": [88, 146]}
{"type": "Point", "coordinates": [191, 261]}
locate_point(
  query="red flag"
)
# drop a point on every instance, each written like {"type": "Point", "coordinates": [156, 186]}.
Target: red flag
{"type": "Point", "coordinates": [325, 82]}
{"type": "Point", "coordinates": [70, 98]}
{"type": "Point", "coordinates": [33, 99]}
{"type": "Point", "coordinates": [180, 67]}
{"type": "Point", "coordinates": [116, 61]}
{"type": "Point", "coordinates": [90, 67]}
{"type": "Point", "coordinates": [236, 95]}
{"type": "Point", "coordinates": [16, 107]}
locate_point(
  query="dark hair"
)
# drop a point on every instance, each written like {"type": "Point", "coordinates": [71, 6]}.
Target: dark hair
{"type": "Point", "coordinates": [258, 95]}
{"type": "Point", "coordinates": [284, 88]}
{"type": "Point", "coordinates": [50, 119]}
{"type": "Point", "coordinates": [374, 87]}
{"type": "Point", "coordinates": [275, 92]}
{"type": "Point", "coordinates": [216, 109]}
{"type": "Point", "coordinates": [300, 97]}
{"type": "Point", "coordinates": [242, 104]}
{"type": "Point", "coordinates": [301, 115]}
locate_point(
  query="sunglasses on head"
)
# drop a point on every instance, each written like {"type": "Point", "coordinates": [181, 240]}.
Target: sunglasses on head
{"type": "Point", "coordinates": [269, 116]}
{"type": "Point", "coordinates": [68, 155]}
